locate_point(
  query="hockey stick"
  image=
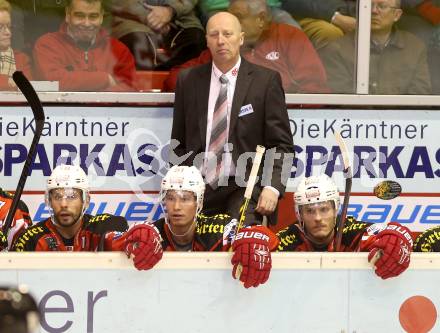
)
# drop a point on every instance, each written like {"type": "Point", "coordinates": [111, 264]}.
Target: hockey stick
{"type": "Point", "coordinates": [37, 109]}
{"type": "Point", "coordinates": [247, 196]}
{"type": "Point", "coordinates": [340, 222]}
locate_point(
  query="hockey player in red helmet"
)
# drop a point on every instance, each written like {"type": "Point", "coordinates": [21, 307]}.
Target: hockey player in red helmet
{"type": "Point", "coordinates": [316, 206]}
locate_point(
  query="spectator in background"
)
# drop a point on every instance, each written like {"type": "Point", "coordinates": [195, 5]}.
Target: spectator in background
{"type": "Point", "coordinates": [81, 55]}
{"type": "Point", "coordinates": [423, 19]}
{"type": "Point", "coordinates": [208, 8]}
{"type": "Point", "coordinates": [323, 21]}
{"type": "Point", "coordinates": [160, 33]}
{"type": "Point", "coordinates": [34, 18]}
{"type": "Point", "coordinates": [10, 60]}
{"type": "Point", "coordinates": [280, 47]}
{"type": "Point", "coordinates": [398, 62]}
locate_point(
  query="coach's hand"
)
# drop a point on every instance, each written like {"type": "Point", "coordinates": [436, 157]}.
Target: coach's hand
{"type": "Point", "coordinates": [267, 202]}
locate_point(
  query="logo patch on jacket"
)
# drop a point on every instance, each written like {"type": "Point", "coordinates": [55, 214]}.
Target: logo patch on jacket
{"type": "Point", "coordinates": [274, 55]}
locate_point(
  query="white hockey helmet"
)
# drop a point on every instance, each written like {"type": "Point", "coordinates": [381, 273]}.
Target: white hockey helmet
{"type": "Point", "coordinates": [184, 178]}
{"type": "Point", "coordinates": [68, 176]}
{"type": "Point", "coordinates": [315, 189]}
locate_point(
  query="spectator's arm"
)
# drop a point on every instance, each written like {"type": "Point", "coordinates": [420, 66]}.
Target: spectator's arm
{"type": "Point", "coordinates": [339, 74]}
{"type": "Point", "coordinates": [182, 7]}
{"type": "Point", "coordinates": [124, 71]}
{"type": "Point", "coordinates": [319, 9]}
{"type": "Point", "coordinates": [306, 68]}
{"type": "Point", "coordinates": [129, 9]}
{"type": "Point", "coordinates": [421, 82]}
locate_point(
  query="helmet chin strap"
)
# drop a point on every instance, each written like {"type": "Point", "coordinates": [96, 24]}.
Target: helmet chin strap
{"type": "Point", "coordinates": [185, 233]}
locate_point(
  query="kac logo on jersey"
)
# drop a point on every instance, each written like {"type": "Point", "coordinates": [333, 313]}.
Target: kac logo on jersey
{"type": "Point", "coordinates": [274, 55]}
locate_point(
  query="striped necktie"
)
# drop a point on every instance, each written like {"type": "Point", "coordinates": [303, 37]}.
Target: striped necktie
{"type": "Point", "coordinates": [219, 134]}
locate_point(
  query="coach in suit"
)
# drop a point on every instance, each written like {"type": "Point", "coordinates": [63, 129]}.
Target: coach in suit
{"type": "Point", "coordinates": [222, 111]}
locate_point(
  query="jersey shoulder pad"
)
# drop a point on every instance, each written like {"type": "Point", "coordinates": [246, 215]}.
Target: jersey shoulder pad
{"type": "Point", "coordinates": [290, 238]}
{"type": "Point", "coordinates": [353, 231]}
{"type": "Point", "coordinates": [30, 236]}
{"type": "Point", "coordinates": [212, 224]}
{"type": "Point", "coordinates": [103, 223]}
{"type": "Point", "coordinates": [211, 231]}
{"type": "Point", "coordinates": [428, 241]}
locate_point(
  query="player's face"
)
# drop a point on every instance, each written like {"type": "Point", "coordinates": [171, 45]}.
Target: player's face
{"type": "Point", "coordinates": [181, 207]}
{"type": "Point", "coordinates": [67, 205]}
{"type": "Point", "coordinates": [5, 30]}
{"type": "Point", "coordinates": [319, 221]}
{"type": "Point", "coordinates": [84, 19]}
{"type": "Point", "coordinates": [224, 38]}
{"type": "Point", "coordinates": [384, 15]}
{"type": "Point", "coordinates": [252, 25]}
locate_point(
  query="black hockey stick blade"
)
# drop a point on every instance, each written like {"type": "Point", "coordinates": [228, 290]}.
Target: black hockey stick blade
{"type": "Point", "coordinates": [340, 222]}
{"type": "Point", "coordinates": [37, 109]}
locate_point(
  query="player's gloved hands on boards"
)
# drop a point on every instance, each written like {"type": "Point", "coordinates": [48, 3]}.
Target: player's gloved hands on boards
{"type": "Point", "coordinates": [393, 245]}
{"type": "Point", "coordinates": [3, 241]}
{"type": "Point", "coordinates": [251, 260]}
{"type": "Point", "coordinates": [143, 242]}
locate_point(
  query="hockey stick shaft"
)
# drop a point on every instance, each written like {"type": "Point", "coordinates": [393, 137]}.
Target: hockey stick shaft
{"type": "Point", "coordinates": [37, 109]}
{"type": "Point", "coordinates": [347, 192]}
{"type": "Point", "coordinates": [250, 185]}
{"type": "Point", "coordinates": [248, 195]}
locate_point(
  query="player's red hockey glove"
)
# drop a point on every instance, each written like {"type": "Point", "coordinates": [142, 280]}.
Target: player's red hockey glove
{"type": "Point", "coordinates": [3, 241]}
{"type": "Point", "coordinates": [393, 245]}
{"type": "Point", "coordinates": [143, 241]}
{"type": "Point", "coordinates": [251, 260]}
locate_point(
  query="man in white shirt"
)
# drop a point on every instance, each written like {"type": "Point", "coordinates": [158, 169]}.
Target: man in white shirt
{"type": "Point", "coordinates": [222, 111]}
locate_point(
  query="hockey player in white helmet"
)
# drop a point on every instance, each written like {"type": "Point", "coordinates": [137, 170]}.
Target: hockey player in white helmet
{"type": "Point", "coordinates": [316, 206]}
{"type": "Point", "coordinates": [70, 228]}
{"type": "Point", "coordinates": [184, 229]}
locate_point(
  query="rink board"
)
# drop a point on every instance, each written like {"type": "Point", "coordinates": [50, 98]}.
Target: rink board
{"type": "Point", "coordinates": [124, 149]}
{"type": "Point", "coordinates": [305, 293]}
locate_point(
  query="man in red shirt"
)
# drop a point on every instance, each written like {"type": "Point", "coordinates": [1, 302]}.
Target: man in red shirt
{"type": "Point", "coordinates": [81, 55]}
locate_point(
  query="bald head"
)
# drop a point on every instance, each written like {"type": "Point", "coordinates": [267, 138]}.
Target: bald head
{"type": "Point", "coordinates": [224, 38]}
{"type": "Point", "coordinates": [224, 19]}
